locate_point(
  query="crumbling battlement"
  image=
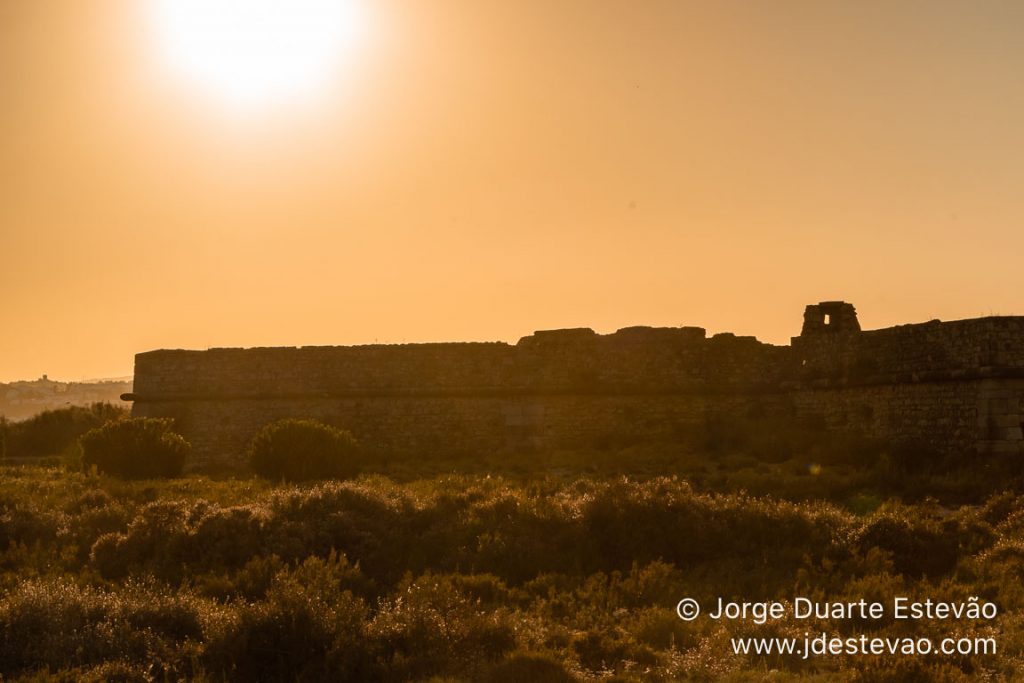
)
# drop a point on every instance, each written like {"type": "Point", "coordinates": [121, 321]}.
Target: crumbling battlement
{"type": "Point", "coordinates": [553, 361]}
{"type": "Point", "coordinates": [984, 347]}
{"type": "Point", "coordinates": [957, 385]}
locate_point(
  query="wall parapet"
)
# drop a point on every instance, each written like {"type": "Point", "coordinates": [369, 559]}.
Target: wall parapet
{"type": "Point", "coordinates": [959, 384]}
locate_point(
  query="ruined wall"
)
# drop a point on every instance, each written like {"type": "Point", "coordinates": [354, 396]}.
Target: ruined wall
{"type": "Point", "coordinates": [559, 361]}
{"type": "Point", "coordinates": [554, 389]}
{"type": "Point", "coordinates": [941, 415]}
{"type": "Point", "coordinates": [961, 416]}
{"type": "Point", "coordinates": [985, 347]}
{"type": "Point", "coordinates": [957, 386]}
{"type": "Point", "coordinates": [464, 425]}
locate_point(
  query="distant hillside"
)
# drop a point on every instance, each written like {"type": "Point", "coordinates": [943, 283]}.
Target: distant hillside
{"type": "Point", "coordinates": [22, 400]}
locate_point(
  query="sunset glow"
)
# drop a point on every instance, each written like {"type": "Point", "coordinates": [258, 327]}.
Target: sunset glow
{"type": "Point", "coordinates": [551, 340]}
{"type": "Point", "coordinates": [197, 173]}
{"type": "Point", "coordinates": [257, 52]}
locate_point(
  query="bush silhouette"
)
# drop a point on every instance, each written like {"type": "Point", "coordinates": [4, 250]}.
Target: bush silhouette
{"type": "Point", "coordinates": [52, 432]}
{"type": "Point", "coordinates": [135, 448]}
{"type": "Point", "coordinates": [298, 450]}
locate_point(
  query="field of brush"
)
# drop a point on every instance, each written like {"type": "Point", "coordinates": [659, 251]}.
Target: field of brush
{"type": "Point", "coordinates": [548, 567]}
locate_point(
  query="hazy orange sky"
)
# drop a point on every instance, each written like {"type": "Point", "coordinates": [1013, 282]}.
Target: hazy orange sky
{"type": "Point", "coordinates": [476, 170]}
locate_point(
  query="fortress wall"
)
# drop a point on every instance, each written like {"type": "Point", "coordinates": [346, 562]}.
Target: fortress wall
{"type": "Point", "coordinates": [573, 361]}
{"type": "Point", "coordinates": [960, 347]}
{"type": "Point", "coordinates": [425, 426]}
{"type": "Point", "coordinates": [942, 415]}
{"type": "Point", "coordinates": [318, 370]}
{"type": "Point", "coordinates": [960, 417]}
{"type": "Point", "coordinates": [1001, 416]}
{"type": "Point", "coordinates": [554, 389]}
{"type": "Point", "coordinates": [957, 386]}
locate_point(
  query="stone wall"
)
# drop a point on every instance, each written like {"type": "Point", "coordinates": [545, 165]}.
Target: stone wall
{"type": "Point", "coordinates": [986, 347]}
{"type": "Point", "coordinates": [955, 386]}
{"type": "Point", "coordinates": [940, 415]}
{"type": "Point", "coordinates": [557, 361]}
{"type": "Point", "coordinates": [464, 425]}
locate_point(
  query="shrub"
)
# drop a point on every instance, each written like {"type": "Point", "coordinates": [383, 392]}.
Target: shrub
{"type": "Point", "coordinates": [135, 448]}
{"type": "Point", "coordinates": [431, 628]}
{"type": "Point", "coordinates": [307, 629]}
{"type": "Point", "coordinates": [920, 547]}
{"type": "Point", "coordinates": [299, 450]}
{"type": "Point", "coordinates": [54, 623]}
{"type": "Point", "coordinates": [53, 432]}
{"type": "Point", "coordinates": [27, 523]}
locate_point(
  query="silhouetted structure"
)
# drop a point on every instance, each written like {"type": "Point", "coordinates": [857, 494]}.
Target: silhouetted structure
{"type": "Point", "coordinates": [956, 386]}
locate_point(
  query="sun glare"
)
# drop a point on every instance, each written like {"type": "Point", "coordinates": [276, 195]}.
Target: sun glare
{"type": "Point", "coordinates": [254, 53]}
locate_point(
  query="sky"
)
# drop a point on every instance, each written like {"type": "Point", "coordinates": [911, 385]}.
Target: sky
{"type": "Point", "coordinates": [477, 170]}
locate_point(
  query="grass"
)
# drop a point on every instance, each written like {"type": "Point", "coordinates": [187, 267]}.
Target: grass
{"type": "Point", "coordinates": [554, 566]}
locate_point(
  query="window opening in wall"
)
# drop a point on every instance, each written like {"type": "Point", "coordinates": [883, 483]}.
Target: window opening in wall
{"type": "Point", "coordinates": [828, 318]}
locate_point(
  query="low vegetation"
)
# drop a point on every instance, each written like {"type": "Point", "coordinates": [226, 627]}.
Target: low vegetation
{"type": "Point", "coordinates": [465, 578]}
{"type": "Point", "coordinates": [135, 448]}
{"type": "Point", "coordinates": [302, 450]}
{"type": "Point", "coordinates": [53, 433]}
{"type": "Point", "coordinates": [550, 567]}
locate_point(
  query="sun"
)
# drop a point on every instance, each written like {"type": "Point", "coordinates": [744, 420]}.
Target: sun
{"type": "Point", "coordinates": [250, 54]}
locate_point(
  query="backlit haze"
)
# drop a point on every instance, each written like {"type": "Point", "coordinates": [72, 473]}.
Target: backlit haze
{"type": "Point", "coordinates": [360, 171]}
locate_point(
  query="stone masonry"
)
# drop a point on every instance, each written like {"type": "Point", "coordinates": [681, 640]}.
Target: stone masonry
{"type": "Point", "coordinates": [954, 386]}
